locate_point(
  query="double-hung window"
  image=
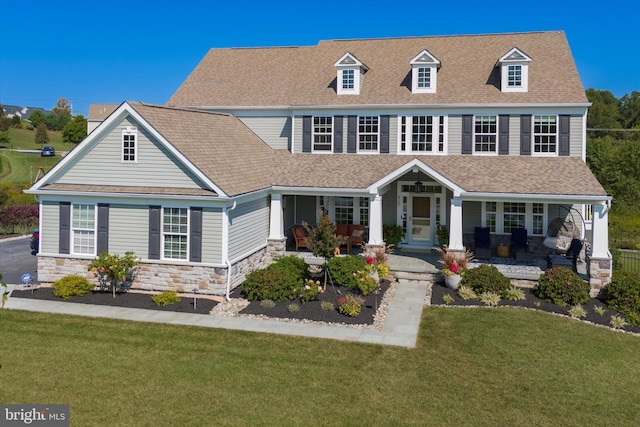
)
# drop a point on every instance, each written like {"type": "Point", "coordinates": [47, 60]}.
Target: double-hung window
{"type": "Point", "coordinates": [424, 77]}
{"type": "Point", "coordinates": [514, 76]}
{"type": "Point", "coordinates": [368, 133]}
{"type": "Point", "coordinates": [129, 144]}
{"type": "Point", "coordinates": [426, 133]}
{"type": "Point", "coordinates": [422, 133]}
{"type": "Point", "coordinates": [485, 134]}
{"type": "Point", "coordinates": [83, 229]}
{"type": "Point", "coordinates": [343, 210]}
{"type": "Point", "coordinates": [544, 134]}
{"type": "Point", "coordinates": [503, 217]}
{"type": "Point", "coordinates": [322, 133]}
{"type": "Point", "coordinates": [348, 78]}
{"type": "Point", "coordinates": [514, 216]}
{"type": "Point", "coordinates": [175, 233]}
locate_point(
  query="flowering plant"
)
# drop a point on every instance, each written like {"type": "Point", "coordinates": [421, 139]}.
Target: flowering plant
{"type": "Point", "coordinates": [366, 284]}
{"type": "Point", "coordinates": [454, 263]}
{"type": "Point", "coordinates": [114, 271]}
{"type": "Point", "coordinates": [350, 305]}
{"type": "Point", "coordinates": [309, 290]}
{"type": "Point", "coordinates": [376, 257]}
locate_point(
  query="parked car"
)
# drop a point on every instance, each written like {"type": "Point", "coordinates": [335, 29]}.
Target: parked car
{"type": "Point", "coordinates": [47, 151]}
{"type": "Point", "coordinates": [35, 241]}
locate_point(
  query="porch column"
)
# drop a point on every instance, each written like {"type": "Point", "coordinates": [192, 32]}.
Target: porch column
{"type": "Point", "coordinates": [375, 221]}
{"type": "Point", "coordinates": [455, 225]}
{"type": "Point", "coordinates": [276, 221]}
{"type": "Point", "coordinates": [600, 230]}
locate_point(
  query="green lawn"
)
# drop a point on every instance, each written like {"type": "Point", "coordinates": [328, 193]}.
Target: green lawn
{"type": "Point", "coordinates": [471, 367]}
{"type": "Point", "coordinates": [24, 139]}
{"type": "Point", "coordinates": [16, 167]}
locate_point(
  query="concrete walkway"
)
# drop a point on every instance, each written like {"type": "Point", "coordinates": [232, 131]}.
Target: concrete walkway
{"type": "Point", "coordinates": [400, 326]}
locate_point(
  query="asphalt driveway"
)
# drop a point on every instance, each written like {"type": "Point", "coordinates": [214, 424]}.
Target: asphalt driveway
{"type": "Point", "coordinates": [16, 260]}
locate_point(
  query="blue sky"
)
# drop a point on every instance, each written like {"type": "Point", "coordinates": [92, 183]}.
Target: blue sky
{"type": "Point", "coordinates": [109, 51]}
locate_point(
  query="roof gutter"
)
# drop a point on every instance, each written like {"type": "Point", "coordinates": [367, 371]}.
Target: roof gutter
{"type": "Point", "coordinates": [561, 198]}
{"type": "Point", "coordinates": [394, 106]}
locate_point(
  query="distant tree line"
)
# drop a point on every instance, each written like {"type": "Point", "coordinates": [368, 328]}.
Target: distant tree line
{"type": "Point", "coordinates": [613, 147]}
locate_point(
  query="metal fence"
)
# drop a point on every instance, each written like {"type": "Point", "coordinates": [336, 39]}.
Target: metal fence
{"type": "Point", "coordinates": [629, 260]}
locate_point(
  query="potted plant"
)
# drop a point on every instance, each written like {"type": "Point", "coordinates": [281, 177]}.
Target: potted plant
{"type": "Point", "coordinates": [453, 266]}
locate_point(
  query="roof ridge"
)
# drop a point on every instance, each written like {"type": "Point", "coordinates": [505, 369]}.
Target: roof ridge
{"type": "Point", "coordinates": [185, 109]}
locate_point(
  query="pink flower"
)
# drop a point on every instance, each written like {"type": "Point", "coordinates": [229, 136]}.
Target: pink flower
{"type": "Point", "coordinates": [454, 267]}
{"type": "Point", "coordinates": [371, 260]}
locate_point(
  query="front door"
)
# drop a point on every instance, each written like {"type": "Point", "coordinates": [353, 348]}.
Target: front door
{"type": "Point", "coordinates": [419, 224]}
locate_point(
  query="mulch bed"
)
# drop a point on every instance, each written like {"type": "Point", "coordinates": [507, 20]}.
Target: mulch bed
{"type": "Point", "coordinates": [312, 310]}
{"type": "Point", "coordinates": [128, 299]}
{"type": "Point", "coordinates": [531, 301]}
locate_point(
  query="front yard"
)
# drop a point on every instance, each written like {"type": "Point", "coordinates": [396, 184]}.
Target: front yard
{"type": "Point", "coordinates": [499, 366]}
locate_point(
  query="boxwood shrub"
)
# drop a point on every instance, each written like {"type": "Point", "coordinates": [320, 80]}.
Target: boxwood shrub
{"type": "Point", "coordinates": [342, 270]}
{"type": "Point", "coordinates": [485, 278]}
{"type": "Point", "coordinates": [293, 263]}
{"type": "Point", "coordinates": [277, 283]}
{"type": "Point", "coordinates": [562, 286]}
{"type": "Point", "coordinates": [623, 295]}
{"type": "Point", "coordinates": [72, 285]}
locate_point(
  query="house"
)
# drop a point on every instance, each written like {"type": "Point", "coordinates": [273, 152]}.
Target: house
{"type": "Point", "coordinates": [97, 114]}
{"type": "Point", "coordinates": [457, 131]}
{"type": "Point", "coordinates": [22, 112]}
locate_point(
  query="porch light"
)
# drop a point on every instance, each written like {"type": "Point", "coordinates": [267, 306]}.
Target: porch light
{"type": "Point", "coordinates": [418, 183]}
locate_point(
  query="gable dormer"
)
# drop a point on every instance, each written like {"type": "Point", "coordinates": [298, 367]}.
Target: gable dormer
{"type": "Point", "coordinates": [424, 72]}
{"type": "Point", "coordinates": [514, 71]}
{"type": "Point", "coordinates": [350, 72]}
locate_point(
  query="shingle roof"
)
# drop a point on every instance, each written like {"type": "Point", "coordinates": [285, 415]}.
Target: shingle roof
{"type": "Point", "coordinates": [300, 76]}
{"type": "Point", "coordinates": [99, 112]}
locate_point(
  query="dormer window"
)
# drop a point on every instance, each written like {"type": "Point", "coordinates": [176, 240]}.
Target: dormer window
{"type": "Point", "coordinates": [424, 72]}
{"type": "Point", "coordinates": [514, 71]}
{"type": "Point", "coordinates": [350, 72]}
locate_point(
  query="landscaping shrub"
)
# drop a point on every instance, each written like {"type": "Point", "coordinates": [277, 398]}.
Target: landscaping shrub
{"type": "Point", "coordinates": [343, 270]}
{"type": "Point", "coordinates": [486, 278]}
{"type": "Point", "coordinates": [293, 263]}
{"type": "Point", "coordinates": [309, 291]}
{"type": "Point", "coordinates": [366, 283]}
{"type": "Point", "coordinates": [350, 305]}
{"type": "Point", "coordinates": [70, 286]}
{"type": "Point", "coordinates": [166, 298]}
{"type": "Point", "coordinates": [562, 286]}
{"type": "Point", "coordinates": [392, 234]}
{"type": "Point", "coordinates": [275, 283]}
{"type": "Point", "coordinates": [623, 295]}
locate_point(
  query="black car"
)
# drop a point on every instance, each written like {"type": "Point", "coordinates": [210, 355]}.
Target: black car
{"type": "Point", "coordinates": [48, 151]}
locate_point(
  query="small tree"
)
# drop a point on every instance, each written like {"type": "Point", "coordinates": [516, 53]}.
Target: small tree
{"type": "Point", "coordinates": [37, 117]}
{"type": "Point", "coordinates": [322, 241]}
{"type": "Point", "coordinates": [75, 130]}
{"type": "Point", "coordinates": [42, 137]}
{"type": "Point", "coordinates": [114, 271]}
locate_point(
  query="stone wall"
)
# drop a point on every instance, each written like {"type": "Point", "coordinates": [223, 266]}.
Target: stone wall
{"type": "Point", "coordinates": [599, 271]}
{"type": "Point", "coordinates": [161, 276]}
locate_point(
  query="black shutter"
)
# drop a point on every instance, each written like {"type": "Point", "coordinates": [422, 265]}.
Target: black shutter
{"type": "Point", "coordinates": [195, 235]}
{"type": "Point", "coordinates": [64, 228]}
{"type": "Point", "coordinates": [467, 134]}
{"type": "Point", "coordinates": [306, 134]}
{"type": "Point", "coordinates": [352, 131]}
{"type": "Point", "coordinates": [525, 135]}
{"type": "Point", "coordinates": [503, 134]}
{"type": "Point", "coordinates": [564, 149]}
{"type": "Point", "coordinates": [154, 232]}
{"type": "Point", "coordinates": [337, 134]}
{"type": "Point", "coordinates": [102, 243]}
{"type": "Point", "coordinates": [384, 134]}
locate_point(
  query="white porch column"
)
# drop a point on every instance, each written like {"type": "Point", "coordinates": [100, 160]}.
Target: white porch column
{"type": "Point", "coordinates": [276, 218]}
{"type": "Point", "coordinates": [600, 244]}
{"type": "Point", "coordinates": [455, 225]}
{"type": "Point", "coordinates": [375, 221]}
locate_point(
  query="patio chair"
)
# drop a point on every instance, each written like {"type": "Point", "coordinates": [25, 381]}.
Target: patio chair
{"type": "Point", "coordinates": [482, 245]}
{"type": "Point", "coordinates": [519, 242]}
{"type": "Point", "coordinates": [300, 236]}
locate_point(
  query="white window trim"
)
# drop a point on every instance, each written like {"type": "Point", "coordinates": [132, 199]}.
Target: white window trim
{"type": "Point", "coordinates": [424, 60]}
{"type": "Point", "coordinates": [362, 151]}
{"type": "Point", "coordinates": [73, 229]}
{"type": "Point", "coordinates": [528, 218]}
{"type": "Point", "coordinates": [435, 135]}
{"type": "Point", "coordinates": [313, 135]}
{"type": "Point", "coordinates": [514, 57]}
{"type": "Point", "coordinates": [129, 130]}
{"type": "Point", "coordinates": [533, 136]}
{"type": "Point", "coordinates": [473, 141]}
{"type": "Point", "coordinates": [188, 234]}
{"type": "Point", "coordinates": [331, 208]}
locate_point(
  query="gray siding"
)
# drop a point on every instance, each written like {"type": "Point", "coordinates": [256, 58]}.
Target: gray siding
{"type": "Point", "coordinates": [390, 206]}
{"type": "Point", "coordinates": [102, 165]}
{"type": "Point", "coordinates": [514, 135]}
{"type": "Point", "coordinates": [249, 227]}
{"type": "Point", "coordinates": [50, 222]}
{"type": "Point", "coordinates": [275, 131]}
{"type": "Point", "coordinates": [129, 229]}
{"type": "Point", "coordinates": [471, 216]}
{"type": "Point", "coordinates": [297, 134]}
{"type": "Point", "coordinates": [454, 135]}
{"type": "Point", "coordinates": [393, 134]}
{"type": "Point", "coordinates": [212, 235]}
{"type": "Point", "coordinates": [575, 136]}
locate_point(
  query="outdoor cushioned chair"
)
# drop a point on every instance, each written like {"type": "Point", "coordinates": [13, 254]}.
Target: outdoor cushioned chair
{"type": "Point", "coordinates": [300, 236]}
{"type": "Point", "coordinates": [482, 247]}
{"type": "Point", "coordinates": [519, 241]}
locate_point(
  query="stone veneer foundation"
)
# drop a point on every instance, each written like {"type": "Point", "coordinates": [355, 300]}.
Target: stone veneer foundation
{"type": "Point", "coordinates": [162, 276]}
{"type": "Point", "coordinates": [599, 271]}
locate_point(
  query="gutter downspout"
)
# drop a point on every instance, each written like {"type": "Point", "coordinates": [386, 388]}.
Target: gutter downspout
{"type": "Point", "coordinates": [226, 261]}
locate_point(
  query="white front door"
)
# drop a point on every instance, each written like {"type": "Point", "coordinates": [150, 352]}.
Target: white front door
{"type": "Point", "coordinates": [419, 230]}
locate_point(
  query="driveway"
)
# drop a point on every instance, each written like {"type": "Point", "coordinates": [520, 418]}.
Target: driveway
{"type": "Point", "coordinates": [16, 259]}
